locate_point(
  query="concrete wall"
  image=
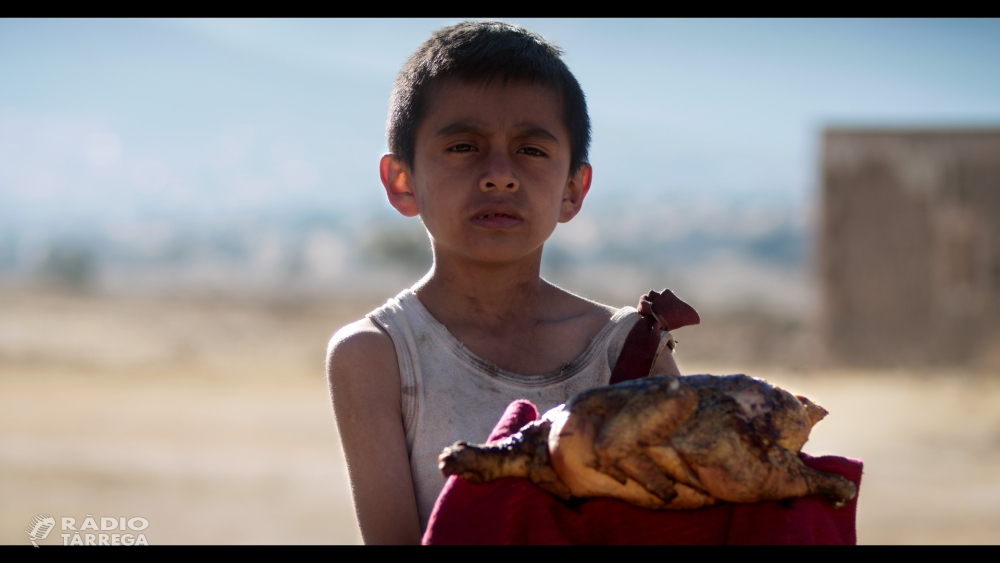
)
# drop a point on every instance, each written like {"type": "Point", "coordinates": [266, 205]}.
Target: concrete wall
{"type": "Point", "coordinates": [910, 246]}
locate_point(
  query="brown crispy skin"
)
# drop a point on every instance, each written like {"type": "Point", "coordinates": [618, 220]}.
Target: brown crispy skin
{"type": "Point", "coordinates": [664, 443]}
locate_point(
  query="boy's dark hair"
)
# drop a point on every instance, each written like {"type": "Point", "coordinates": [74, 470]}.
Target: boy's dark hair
{"type": "Point", "coordinates": [479, 52]}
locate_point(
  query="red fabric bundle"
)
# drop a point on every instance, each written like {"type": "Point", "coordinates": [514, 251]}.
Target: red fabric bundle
{"type": "Point", "coordinates": [512, 510]}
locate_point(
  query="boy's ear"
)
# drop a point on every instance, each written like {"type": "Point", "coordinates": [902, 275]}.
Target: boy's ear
{"type": "Point", "coordinates": [576, 190]}
{"type": "Point", "coordinates": [396, 178]}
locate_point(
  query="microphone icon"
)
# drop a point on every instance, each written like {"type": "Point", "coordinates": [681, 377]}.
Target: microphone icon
{"type": "Point", "coordinates": [39, 528]}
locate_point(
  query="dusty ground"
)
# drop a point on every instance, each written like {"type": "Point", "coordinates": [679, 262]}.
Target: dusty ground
{"type": "Point", "coordinates": [209, 417]}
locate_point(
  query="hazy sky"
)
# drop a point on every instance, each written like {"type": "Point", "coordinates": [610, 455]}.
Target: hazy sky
{"type": "Point", "coordinates": [214, 118]}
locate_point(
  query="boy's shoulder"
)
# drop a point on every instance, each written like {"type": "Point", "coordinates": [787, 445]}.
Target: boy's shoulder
{"type": "Point", "coordinates": [360, 333]}
{"type": "Point", "coordinates": [358, 347]}
{"type": "Point", "coordinates": [567, 304]}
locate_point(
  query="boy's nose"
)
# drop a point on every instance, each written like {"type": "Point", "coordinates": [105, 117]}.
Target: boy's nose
{"type": "Point", "coordinates": [499, 177]}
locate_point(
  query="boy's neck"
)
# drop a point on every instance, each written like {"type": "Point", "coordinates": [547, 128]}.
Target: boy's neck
{"type": "Point", "coordinates": [508, 315]}
{"type": "Point", "coordinates": [494, 297]}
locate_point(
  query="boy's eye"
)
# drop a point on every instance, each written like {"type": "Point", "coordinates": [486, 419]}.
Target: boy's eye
{"type": "Point", "coordinates": [462, 148]}
{"type": "Point", "coordinates": [533, 151]}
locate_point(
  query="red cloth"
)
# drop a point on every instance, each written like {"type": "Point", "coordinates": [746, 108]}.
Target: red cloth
{"type": "Point", "coordinates": [514, 511]}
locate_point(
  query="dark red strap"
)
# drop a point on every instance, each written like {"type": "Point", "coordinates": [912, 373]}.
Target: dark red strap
{"type": "Point", "coordinates": [638, 353]}
{"type": "Point", "coordinates": [660, 311]}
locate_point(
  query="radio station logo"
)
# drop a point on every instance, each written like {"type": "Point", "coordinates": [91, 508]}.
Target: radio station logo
{"type": "Point", "coordinates": [111, 531]}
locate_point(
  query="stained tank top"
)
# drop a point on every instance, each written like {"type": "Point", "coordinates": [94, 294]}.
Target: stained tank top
{"type": "Point", "coordinates": [451, 394]}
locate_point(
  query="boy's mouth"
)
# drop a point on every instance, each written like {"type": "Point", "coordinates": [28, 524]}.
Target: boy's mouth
{"type": "Point", "coordinates": [497, 220]}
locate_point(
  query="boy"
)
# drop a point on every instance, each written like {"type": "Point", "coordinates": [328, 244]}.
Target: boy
{"type": "Point", "coordinates": [488, 132]}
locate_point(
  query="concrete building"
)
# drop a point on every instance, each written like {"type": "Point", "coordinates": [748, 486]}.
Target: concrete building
{"type": "Point", "coordinates": [910, 246]}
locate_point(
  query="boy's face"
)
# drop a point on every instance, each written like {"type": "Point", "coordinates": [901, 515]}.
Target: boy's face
{"type": "Point", "coordinates": [490, 178]}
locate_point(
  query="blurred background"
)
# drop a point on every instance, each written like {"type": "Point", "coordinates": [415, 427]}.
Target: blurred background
{"type": "Point", "coordinates": [190, 208]}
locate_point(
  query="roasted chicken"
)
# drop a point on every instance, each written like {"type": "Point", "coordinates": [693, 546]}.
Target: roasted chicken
{"type": "Point", "coordinates": [665, 443]}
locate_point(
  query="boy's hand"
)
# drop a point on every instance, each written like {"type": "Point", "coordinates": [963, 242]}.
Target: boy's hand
{"type": "Point", "coordinates": [363, 374]}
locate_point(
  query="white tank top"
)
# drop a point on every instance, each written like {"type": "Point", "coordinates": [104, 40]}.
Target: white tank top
{"type": "Point", "coordinates": [451, 394]}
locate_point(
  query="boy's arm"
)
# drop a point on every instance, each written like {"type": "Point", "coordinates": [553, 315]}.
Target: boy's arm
{"type": "Point", "coordinates": [364, 383]}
